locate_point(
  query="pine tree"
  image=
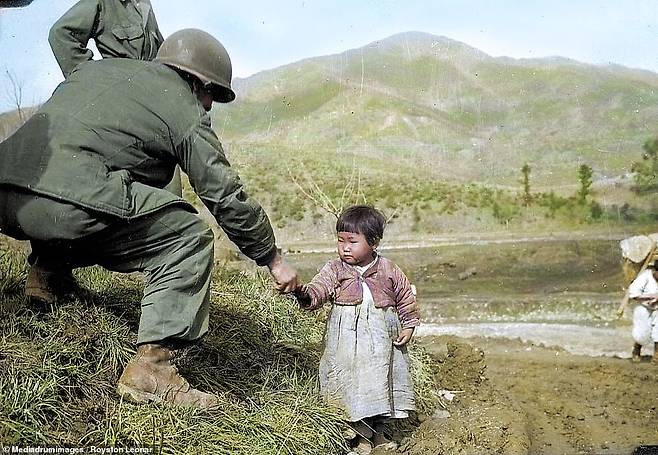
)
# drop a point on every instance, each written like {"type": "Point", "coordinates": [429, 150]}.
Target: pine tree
{"type": "Point", "coordinates": [585, 178]}
{"type": "Point", "coordinates": [526, 198]}
{"type": "Point", "coordinates": [646, 171]}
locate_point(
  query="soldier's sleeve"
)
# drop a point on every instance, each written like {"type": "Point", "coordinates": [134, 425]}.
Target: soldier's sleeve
{"type": "Point", "coordinates": [219, 187]}
{"type": "Point", "coordinates": [153, 26]}
{"type": "Point", "coordinates": [69, 36]}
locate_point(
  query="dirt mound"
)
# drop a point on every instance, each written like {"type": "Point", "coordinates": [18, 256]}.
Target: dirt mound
{"type": "Point", "coordinates": [578, 404]}
{"type": "Point", "coordinates": [518, 398]}
{"type": "Point", "coordinates": [462, 367]}
{"type": "Point", "coordinates": [475, 418]}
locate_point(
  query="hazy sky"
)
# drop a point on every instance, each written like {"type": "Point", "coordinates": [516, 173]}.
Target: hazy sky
{"type": "Point", "coordinates": [261, 35]}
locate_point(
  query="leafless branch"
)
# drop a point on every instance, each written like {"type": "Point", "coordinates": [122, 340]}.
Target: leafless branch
{"type": "Point", "coordinates": [314, 193]}
{"type": "Point", "coordinates": [351, 193]}
{"type": "Point", "coordinates": [15, 93]}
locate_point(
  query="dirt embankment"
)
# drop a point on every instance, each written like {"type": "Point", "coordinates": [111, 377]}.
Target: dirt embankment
{"type": "Point", "coordinates": [515, 398]}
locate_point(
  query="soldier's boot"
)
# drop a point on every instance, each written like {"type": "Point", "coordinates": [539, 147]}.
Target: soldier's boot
{"type": "Point", "coordinates": [152, 377]}
{"type": "Point", "coordinates": [47, 283]}
{"type": "Point", "coordinates": [655, 353]}
{"type": "Point", "coordinates": [636, 352]}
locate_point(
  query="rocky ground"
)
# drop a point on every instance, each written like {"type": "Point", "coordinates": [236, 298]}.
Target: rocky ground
{"type": "Point", "coordinates": [516, 398]}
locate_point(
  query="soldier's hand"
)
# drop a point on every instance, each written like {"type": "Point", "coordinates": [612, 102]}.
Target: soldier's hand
{"type": "Point", "coordinates": [285, 277]}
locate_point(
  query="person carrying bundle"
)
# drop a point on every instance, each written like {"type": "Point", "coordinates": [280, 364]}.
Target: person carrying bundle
{"type": "Point", "coordinates": [644, 291]}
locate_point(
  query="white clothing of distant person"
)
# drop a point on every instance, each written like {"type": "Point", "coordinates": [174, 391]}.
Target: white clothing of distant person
{"type": "Point", "coordinates": [645, 318]}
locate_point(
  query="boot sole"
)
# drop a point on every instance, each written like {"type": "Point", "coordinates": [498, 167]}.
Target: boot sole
{"type": "Point", "coordinates": [137, 396]}
{"type": "Point", "coordinates": [38, 295]}
{"type": "Point", "coordinates": [140, 397]}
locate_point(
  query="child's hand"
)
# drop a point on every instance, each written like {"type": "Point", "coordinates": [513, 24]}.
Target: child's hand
{"type": "Point", "coordinates": [302, 297]}
{"type": "Point", "coordinates": [405, 337]}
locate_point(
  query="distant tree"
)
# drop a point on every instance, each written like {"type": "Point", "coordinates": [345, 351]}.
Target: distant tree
{"type": "Point", "coordinates": [595, 210]}
{"type": "Point", "coordinates": [526, 198]}
{"type": "Point", "coordinates": [504, 212]}
{"type": "Point", "coordinates": [585, 178]}
{"type": "Point", "coordinates": [646, 171]}
{"type": "Point", "coordinates": [416, 217]}
{"type": "Point", "coordinates": [552, 203]}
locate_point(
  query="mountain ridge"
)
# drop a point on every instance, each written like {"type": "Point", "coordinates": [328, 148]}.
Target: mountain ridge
{"type": "Point", "coordinates": [473, 117]}
{"type": "Point", "coordinates": [551, 60]}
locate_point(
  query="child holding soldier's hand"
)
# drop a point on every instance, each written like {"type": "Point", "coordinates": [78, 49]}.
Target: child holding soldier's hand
{"type": "Point", "coordinates": [365, 367]}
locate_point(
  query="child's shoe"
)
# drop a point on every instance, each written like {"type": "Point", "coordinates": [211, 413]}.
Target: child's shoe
{"type": "Point", "coordinates": [349, 434]}
{"type": "Point", "coordinates": [636, 352]}
{"type": "Point", "coordinates": [362, 429]}
{"type": "Point", "coordinates": [380, 441]}
{"type": "Point", "coordinates": [363, 446]}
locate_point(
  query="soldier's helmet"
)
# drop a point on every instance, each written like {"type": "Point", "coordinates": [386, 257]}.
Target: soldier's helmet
{"type": "Point", "coordinates": [200, 54]}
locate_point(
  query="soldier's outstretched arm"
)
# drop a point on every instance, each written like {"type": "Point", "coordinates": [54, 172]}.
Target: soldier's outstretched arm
{"type": "Point", "coordinates": [240, 216]}
{"type": "Point", "coordinates": [69, 36]}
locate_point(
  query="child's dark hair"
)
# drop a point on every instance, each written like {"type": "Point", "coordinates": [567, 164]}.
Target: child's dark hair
{"type": "Point", "coordinates": [362, 219]}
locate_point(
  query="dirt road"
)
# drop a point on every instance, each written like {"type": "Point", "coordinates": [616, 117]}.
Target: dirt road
{"type": "Point", "coordinates": [578, 404]}
{"type": "Point", "coordinates": [515, 398]}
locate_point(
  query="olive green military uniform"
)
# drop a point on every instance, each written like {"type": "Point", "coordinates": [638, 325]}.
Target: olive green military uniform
{"type": "Point", "coordinates": [84, 177]}
{"type": "Point", "coordinates": [120, 28]}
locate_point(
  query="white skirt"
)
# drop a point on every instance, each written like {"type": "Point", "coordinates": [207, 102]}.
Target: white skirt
{"type": "Point", "coordinates": [645, 325]}
{"type": "Point", "coordinates": [361, 371]}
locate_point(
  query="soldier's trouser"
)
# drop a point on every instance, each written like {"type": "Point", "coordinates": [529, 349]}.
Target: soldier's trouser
{"type": "Point", "coordinates": [172, 246]}
{"type": "Point", "coordinates": [176, 184]}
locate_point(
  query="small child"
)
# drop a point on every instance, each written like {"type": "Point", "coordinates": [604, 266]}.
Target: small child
{"type": "Point", "coordinates": [365, 367]}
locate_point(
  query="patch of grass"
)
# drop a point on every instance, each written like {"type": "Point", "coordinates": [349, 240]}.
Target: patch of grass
{"type": "Point", "coordinates": [14, 272]}
{"type": "Point", "coordinates": [58, 371]}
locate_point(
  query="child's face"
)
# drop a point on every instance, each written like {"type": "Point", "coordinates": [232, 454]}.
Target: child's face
{"type": "Point", "coordinates": [354, 249]}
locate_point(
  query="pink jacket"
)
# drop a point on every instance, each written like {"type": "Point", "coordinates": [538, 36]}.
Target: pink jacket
{"type": "Point", "coordinates": [388, 285]}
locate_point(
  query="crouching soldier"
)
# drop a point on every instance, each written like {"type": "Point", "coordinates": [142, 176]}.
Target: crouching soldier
{"type": "Point", "coordinates": [83, 178]}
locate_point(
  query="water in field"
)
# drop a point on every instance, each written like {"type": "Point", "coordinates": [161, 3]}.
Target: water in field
{"type": "Point", "coordinates": [552, 293]}
{"type": "Point", "coordinates": [574, 338]}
